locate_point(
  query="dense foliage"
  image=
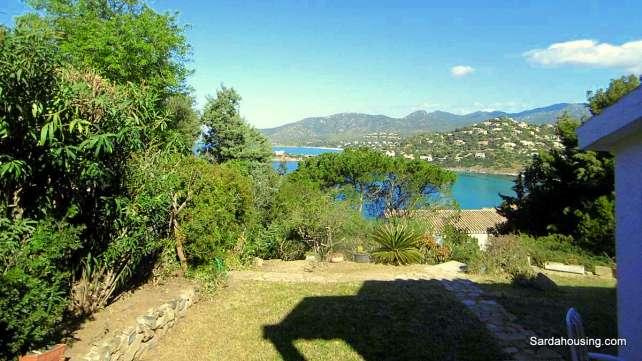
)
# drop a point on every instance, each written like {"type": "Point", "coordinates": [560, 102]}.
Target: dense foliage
{"type": "Point", "coordinates": [123, 40]}
{"type": "Point", "coordinates": [570, 191]}
{"type": "Point", "coordinates": [203, 208]}
{"type": "Point", "coordinates": [70, 123]}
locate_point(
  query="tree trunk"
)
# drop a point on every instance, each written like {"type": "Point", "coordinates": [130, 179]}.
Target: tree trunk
{"type": "Point", "coordinates": [178, 235]}
{"type": "Point", "coordinates": [175, 228]}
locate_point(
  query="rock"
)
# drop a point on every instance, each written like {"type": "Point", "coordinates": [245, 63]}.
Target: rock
{"type": "Point", "coordinates": [604, 272]}
{"type": "Point", "coordinates": [310, 257]}
{"type": "Point", "coordinates": [561, 267]}
{"type": "Point", "coordinates": [257, 262]}
{"type": "Point", "coordinates": [336, 258]}
{"type": "Point", "coordinates": [167, 315]}
{"type": "Point", "coordinates": [146, 321]}
{"type": "Point", "coordinates": [172, 304]}
{"type": "Point", "coordinates": [189, 296]}
{"type": "Point", "coordinates": [542, 282]}
{"type": "Point", "coordinates": [92, 356]}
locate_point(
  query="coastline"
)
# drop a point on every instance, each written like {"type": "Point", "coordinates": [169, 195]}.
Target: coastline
{"type": "Point", "coordinates": [504, 172]}
{"type": "Point", "coordinates": [305, 146]}
{"type": "Point", "coordinates": [474, 170]}
{"type": "Point", "coordinates": [288, 159]}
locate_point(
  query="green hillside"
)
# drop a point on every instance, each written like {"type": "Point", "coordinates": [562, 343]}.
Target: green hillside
{"type": "Point", "coordinates": [342, 128]}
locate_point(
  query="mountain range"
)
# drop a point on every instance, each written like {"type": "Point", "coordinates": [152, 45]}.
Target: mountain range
{"type": "Point", "coordinates": [338, 128]}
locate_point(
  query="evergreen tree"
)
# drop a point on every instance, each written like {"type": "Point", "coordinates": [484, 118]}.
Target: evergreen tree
{"type": "Point", "coordinates": [228, 136]}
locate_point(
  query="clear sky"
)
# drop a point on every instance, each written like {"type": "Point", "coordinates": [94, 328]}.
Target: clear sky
{"type": "Point", "coordinates": [294, 59]}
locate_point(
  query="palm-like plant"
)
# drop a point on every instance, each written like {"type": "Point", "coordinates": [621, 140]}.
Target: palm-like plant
{"type": "Point", "coordinates": [398, 245]}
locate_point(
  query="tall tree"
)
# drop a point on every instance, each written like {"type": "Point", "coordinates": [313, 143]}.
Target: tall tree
{"type": "Point", "coordinates": [374, 180]}
{"type": "Point", "coordinates": [568, 190]}
{"type": "Point", "coordinates": [228, 136]}
{"type": "Point", "coordinates": [618, 88]}
{"type": "Point", "coordinates": [123, 40]}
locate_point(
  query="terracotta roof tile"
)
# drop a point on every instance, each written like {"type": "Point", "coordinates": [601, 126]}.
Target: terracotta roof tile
{"type": "Point", "coordinates": [470, 220]}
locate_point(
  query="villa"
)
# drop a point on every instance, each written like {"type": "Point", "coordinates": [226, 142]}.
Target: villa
{"type": "Point", "coordinates": [478, 223]}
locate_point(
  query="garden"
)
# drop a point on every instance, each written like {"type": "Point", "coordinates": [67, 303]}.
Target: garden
{"type": "Point", "coordinates": [111, 179]}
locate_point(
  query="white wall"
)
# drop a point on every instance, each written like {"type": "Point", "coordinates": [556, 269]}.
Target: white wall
{"type": "Point", "coordinates": [482, 239]}
{"type": "Point", "coordinates": [628, 196]}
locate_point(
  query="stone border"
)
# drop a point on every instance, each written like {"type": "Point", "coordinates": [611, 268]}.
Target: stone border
{"type": "Point", "coordinates": [513, 338]}
{"type": "Point", "coordinates": [131, 343]}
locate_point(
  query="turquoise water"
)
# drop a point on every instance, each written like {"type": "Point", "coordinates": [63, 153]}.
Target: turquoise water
{"type": "Point", "coordinates": [305, 150]}
{"type": "Point", "coordinates": [474, 191]}
{"type": "Point", "coordinates": [471, 190]}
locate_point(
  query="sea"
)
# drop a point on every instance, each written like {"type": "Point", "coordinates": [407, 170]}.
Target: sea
{"type": "Point", "coordinates": [471, 190]}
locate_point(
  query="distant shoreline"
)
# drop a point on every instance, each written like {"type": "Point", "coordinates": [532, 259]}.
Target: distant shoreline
{"type": "Point", "coordinates": [305, 146]}
{"type": "Point", "coordinates": [475, 170]}
{"type": "Point", "coordinates": [505, 172]}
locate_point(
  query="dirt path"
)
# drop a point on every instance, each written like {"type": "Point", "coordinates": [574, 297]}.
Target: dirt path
{"type": "Point", "coordinates": [321, 272]}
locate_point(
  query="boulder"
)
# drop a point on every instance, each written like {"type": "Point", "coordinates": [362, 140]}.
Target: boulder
{"type": "Point", "coordinates": [561, 267]}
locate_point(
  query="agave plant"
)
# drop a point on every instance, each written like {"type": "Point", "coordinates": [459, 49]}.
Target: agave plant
{"type": "Point", "coordinates": [398, 245]}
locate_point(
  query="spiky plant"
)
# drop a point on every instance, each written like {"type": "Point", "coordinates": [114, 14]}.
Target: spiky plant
{"type": "Point", "coordinates": [398, 244]}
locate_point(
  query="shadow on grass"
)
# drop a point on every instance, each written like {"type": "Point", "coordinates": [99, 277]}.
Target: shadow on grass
{"type": "Point", "coordinates": [544, 312]}
{"type": "Point", "coordinates": [388, 320]}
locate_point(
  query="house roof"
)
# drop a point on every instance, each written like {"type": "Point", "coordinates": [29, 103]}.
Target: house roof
{"type": "Point", "coordinates": [615, 124]}
{"type": "Point", "coordinates": [470, 220]}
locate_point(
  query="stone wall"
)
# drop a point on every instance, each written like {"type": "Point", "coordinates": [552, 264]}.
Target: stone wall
{"type": "Point", "coordinates": [131, 343]}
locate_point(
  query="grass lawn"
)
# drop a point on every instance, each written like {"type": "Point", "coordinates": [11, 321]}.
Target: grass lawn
{"type": "Point", "coordinates": [372, 320]}
{"type": "Point", "coordinates": [544, 312]}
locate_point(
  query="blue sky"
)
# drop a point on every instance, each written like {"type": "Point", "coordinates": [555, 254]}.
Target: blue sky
{"type": "Point", "coordinates": [293, 59]}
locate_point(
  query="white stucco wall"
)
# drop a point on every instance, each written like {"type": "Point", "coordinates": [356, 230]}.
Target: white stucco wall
{"type": "Point", "coordinates": [482, 239]}
{"type": "Point", "coordinates": [628, 196]}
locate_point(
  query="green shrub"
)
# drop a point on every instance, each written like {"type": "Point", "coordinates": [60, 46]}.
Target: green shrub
{"type": "Point", "coordinates": [503, 255]}
{"type": "Point", "coordinates": [212, 205]}
{"type": "Point", "coordinates": [560, 248]}
{"type": "Point", "coordinates": [463, 248]}
{"type": "Point", "coordinates": [433, 252]}
{"type": "Point", "coordinates": [34, 283]}
{"type": "Point", "coordinates": [398, 244]}
{"type": "Point", "coordinates": [210, 275]}
{"type": "Point", "coordinates": [305, 218]}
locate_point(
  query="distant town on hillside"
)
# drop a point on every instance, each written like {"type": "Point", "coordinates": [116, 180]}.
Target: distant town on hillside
{"type": "Point", "coordinates": [496, 142]}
